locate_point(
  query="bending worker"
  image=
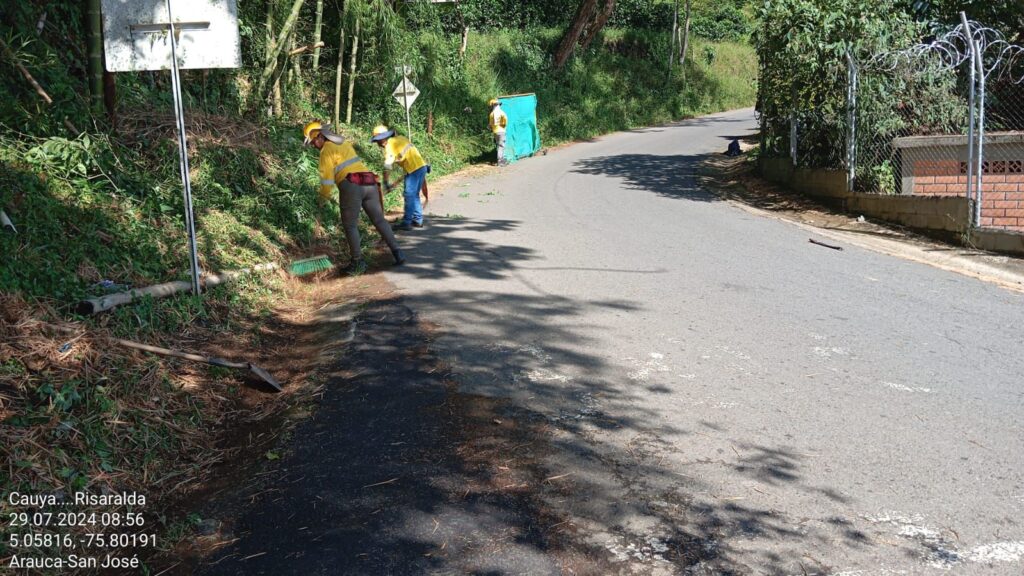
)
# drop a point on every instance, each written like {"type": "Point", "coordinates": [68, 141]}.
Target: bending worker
{"type": "Point", "coordinates": [498, 120]}
{"type": "Point", "coordinates": [398, 149]}
{"type": "Point", "coordinates": [357, 186]}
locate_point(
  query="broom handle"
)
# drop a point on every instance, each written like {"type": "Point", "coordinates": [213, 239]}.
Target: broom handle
{"type": "Point", "coordinates": [177, 354]}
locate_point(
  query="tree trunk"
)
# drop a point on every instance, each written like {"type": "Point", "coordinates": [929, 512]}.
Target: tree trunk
{"type": "Point", "coordinates": [584, 13]}
{"type": "Point", "coordinates": [685, 43]}
{"type": "Point", "coordinates": [110, 98]}
{"type": "Point", "coordinates": [289, 59]}
{"type": "Point", "coordinates": [341, 67]}
{"type": "Point", "coordinates": [352, 73]}
{"type": "Point", "coordinates": [95, 27]}
{"type": "Point", "coordinates": [271, 63]}
{"type": "Point", "coordinates": [316, 37]}
{"type": "Point", "coordinates": [465, 29]}
{"type": "Point", "coordinates": [672, 39]}
{"type": "Point", "coordinates": [295, 74]}
{"type": "Point", "coordinates": [598, 24]}
{"type": "Point", "coordinates": [278, 100]}
{"type": "Point", "coordinates": [268, 46]}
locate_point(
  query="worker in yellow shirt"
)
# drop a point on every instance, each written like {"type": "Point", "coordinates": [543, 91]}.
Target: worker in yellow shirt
{"type": "Point", "coordinates": [399, 150]}
{"type": "Point", "coordinates": [357, 187]}
{"type": "Point", "coordinates": [498, 120]}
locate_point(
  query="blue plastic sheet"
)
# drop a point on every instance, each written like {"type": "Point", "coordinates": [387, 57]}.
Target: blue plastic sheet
{"type": "Point", "coordinates": [522, 139]}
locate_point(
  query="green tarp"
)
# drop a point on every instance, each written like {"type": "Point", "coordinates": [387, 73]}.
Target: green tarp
{"type": "Point", "coordinates": [521, 136]}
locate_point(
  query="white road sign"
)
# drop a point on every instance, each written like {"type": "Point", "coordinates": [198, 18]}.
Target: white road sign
{"type": "Point", "coordinates": [135, 34]}
{"type": "Point", "coordinates": [406, 93]}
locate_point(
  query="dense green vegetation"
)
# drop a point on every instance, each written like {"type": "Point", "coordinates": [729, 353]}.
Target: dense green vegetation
{"type": "Point", "coordinates": [112, 197]}
{"type": "Point", "coordinates": [803, 49]}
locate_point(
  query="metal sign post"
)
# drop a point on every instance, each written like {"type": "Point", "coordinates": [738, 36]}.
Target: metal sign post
{"type": "Point", "coordinates": [136, 36]}
{"type": "Point", "coordinates": [405, 94]}
{"type": "Point", "coordinates": [186, 179]}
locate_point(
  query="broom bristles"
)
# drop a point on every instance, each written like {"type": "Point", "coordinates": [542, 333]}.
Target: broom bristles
{"type": "Point", "coordinates": [310, 265]}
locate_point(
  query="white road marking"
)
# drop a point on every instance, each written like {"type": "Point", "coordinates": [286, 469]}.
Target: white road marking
{"type": "Point", "coordinates": [903, 388]}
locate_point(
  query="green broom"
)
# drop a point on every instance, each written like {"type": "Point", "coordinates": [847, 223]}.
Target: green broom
{"type": "Point", "coordinates": [310, 265]}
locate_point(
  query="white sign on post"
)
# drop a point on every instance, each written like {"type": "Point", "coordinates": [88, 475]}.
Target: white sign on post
{"type": "Point", "coordinates": [135, 34]}
{"type": "Point", "coordinates": [405, 93]}
{"type": "Point", "coordinates": [172, 35]}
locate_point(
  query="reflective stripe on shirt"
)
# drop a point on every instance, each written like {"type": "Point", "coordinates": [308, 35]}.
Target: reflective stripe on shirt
{"type": "Point", "coordinates": [327, 182]}
{"type": "Point", "coordinates": [407, 148]}
{"type": "Point", "coordinates": [347, 163]}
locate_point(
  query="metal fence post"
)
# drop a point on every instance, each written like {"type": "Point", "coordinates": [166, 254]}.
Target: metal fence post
{"type": "Point", "coordinates": [969, 35]}
{"type": "Point", "coordinates": [851, 121]}
{"type": "Point", "coordinates": [979, 163]}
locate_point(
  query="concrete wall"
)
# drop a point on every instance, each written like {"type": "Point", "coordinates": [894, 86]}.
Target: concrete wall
{"type": "Point", "coordinates": [998, 241]}
{"type": "Point", "coordinates": [946, 214]}
{"type": "Point", "coordinates": [938, 213]}
{"type": "Point", "coordinates": [810, 181]}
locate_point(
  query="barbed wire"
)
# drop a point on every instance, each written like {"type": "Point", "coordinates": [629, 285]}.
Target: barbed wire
{"type": "Point", "coordinates": [953, 48]}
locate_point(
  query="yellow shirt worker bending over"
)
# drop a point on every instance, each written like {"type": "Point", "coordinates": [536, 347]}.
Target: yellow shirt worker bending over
{"type": "Point", "coordinates": [399, 150]}
{"type": "Point", "coordinates": [357, 187]}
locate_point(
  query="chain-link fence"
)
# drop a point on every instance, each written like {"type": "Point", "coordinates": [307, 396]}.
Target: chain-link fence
{"type": "Point", "coordinates": [941, 118]}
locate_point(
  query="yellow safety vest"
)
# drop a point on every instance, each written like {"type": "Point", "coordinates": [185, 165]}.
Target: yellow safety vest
{"type": "Point", "coordinates": [399, 149]}
{"type": "Point", "coordinates": [336, 162]}
{"type": "Point", "coordinates": [497, 120]}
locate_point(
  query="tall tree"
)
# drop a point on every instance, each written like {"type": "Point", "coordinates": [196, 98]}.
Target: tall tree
{"type": "Point", "coordinates": [599, 21]}
{"type": "Point", "coordinates": [584, 13]}
{"type": "Point", "coordinates": [352, 72]}
{"type": "Point", "coordinates": [685, 42]}
{"type": "Point", "coordinates": [272, 61]}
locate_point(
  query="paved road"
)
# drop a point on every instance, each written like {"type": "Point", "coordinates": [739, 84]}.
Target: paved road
{"type": "Point", "coordinates": [721, 395]}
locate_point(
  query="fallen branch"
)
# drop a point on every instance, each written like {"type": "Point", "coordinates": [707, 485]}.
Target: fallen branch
{"type": "Point", "coordinates": [263, 374]}
{"type": "Point", "coordinates": [820, 243]}
{"type": "Point", "coordinates": [306, 48]}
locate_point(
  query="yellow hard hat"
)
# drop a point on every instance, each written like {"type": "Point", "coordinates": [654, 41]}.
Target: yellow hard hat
{"type": "Point", "coordinates": [381, 132]}
{"type": "Point", "coordinates": [493, 102]}
{"type": "Point", "coordinates": [311, 130]}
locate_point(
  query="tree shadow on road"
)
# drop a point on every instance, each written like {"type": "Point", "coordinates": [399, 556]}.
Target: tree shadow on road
{"type": "Point", "coordinates": [505, 443]}
{"type": "Point", "coordinates": [667, 176]}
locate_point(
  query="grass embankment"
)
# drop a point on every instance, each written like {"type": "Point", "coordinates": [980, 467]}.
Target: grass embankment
{"type": "Point", "coordinates": [77, 414]}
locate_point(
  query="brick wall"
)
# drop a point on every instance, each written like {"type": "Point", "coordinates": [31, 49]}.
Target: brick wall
{"type": "Point", "coordinates": [1002, 188]}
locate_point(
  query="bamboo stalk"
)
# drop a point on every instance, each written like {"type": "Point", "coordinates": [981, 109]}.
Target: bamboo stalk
{"type": "Point", "coordinates": [341, 67]}
{"type": "Point", "coordinates": [316, 36]}
{"type": "Point", "coordinates": [95, 27]}
{"type": "Point", "coordinates": [268, 47]}
{"type": "Point", "coordinates": [35, 85]}
{"type": "Point", "coordinates": [99, 304]}
{"type": "Point", "coordinates": [352, 74]}
{"type": "Point", "coordinates": [271, 63]}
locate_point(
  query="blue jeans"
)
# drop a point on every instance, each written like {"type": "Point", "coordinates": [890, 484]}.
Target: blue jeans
{"type": "Point", "coordinates": [413, 208]}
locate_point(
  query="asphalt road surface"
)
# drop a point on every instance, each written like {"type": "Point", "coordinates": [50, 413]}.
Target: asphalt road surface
{"type": "Point", "coordinates": [722, 395]}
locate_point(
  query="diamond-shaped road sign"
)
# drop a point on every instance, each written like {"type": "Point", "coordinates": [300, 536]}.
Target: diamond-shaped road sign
{"type": "Point", "coordinates": [405, 93]}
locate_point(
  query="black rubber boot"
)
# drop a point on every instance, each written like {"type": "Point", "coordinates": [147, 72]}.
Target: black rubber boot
{"type": "Point", "coordinates": [399, 256]}
{"type": "Point", "coordinates": [354, 268]}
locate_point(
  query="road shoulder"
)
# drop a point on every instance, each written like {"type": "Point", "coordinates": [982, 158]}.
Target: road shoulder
{"type": "Point", "coordinates": [734, 180]}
